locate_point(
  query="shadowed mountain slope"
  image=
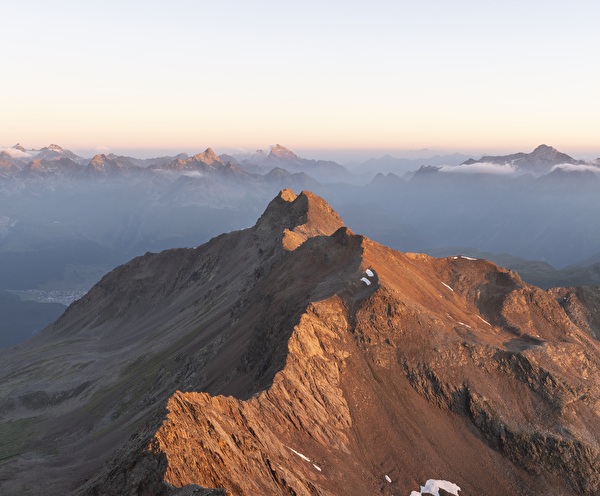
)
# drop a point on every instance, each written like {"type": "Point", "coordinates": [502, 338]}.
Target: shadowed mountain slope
{"type": "Point", "coordinates": [296, 357]}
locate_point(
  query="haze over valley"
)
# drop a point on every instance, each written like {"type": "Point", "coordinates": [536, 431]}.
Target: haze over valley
{"type": "Point", "coordinates": [66, 220]}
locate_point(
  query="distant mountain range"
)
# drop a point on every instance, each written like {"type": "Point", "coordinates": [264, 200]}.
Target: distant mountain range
{"type": "Point", "coordinates": [66, 220]}
{"type": "Point", "coordinates": [400, 166]}
{"type": "Point", "coordinates": [410, 203]}
{"type": "Point", "coordinates": [540, 161]}
{"type": "Point", "coordinates": [56, 160]}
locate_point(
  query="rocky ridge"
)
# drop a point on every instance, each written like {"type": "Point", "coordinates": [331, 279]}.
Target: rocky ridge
{"type": "Point", "coordinates": [281, 157]}
{"type": "Point", "coordinates": [296, 357]}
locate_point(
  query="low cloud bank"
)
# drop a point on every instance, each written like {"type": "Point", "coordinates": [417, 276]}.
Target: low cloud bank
{"type": "Point", "coordinates": [15, 152]}
{"type": "Point", "coordinates": [577, 168]}
{"type": "Point", "coordinates": [480, 168]}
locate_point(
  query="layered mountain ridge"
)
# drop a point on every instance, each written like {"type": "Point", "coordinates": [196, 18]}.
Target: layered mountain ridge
{"type": "Point", "coordinates": [53, 160]}
{"type": "Point", "coordinates": [295, 357]}
{"type": "Point", "coordinates": [539, 161]}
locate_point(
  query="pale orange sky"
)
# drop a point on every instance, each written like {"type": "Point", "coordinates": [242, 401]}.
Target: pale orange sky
{"type": "Point", "coordinates": [466, 76]}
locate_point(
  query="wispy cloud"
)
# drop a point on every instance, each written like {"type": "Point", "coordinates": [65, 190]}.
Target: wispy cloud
{"type": "Point", "coordinates": [15, 152]}
{"type": "Point", "coordinates": [193, 174]}
{"type": "Point", "coordinates": [480, 168]}
{"type": "Point", "coordinates": [577, 168]}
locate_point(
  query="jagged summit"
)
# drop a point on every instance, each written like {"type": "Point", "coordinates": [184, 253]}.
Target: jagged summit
{"type": "Point", "coordinates": [281, 152]}
{"type": "Point", "coordinates": [287, 195]}
{"type": "Point", "coordinates": [298, 217]}
{"type": "Point", "coordinates": [103, 163]}
{"type": "Point", "coordinates": [203, 161]}
{"type": "Point", "coordinates": [56, 152]}
{"type": "Point", "coordinates": [551, 154]}
{"type": "Point", "coordinates": [280, 156]}
{"type": "Point", "coordinates": [208, 156]}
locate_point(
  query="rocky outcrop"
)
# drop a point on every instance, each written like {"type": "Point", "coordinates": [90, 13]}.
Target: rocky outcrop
{"type": "Point", "coordinates": [204, 444]}
{"type": "Point", "coordinates": [582, 305]}
{"type": "Point", "coordinates": [281, 152]}
{"type": "Point", "coordinates": [101, 164]}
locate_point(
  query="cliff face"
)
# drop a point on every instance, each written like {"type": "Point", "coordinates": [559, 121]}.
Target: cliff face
{"type": "Point", "coordinates": [384, 382]}
{"type": "Point", "coordinates": [298, 358]}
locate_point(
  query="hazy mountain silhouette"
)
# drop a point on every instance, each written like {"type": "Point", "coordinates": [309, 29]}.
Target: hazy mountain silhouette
{"type": "Point", "coordinates": [539, 161]}
{"type": "Point", "coordinates": [399, 166]}
{"type": "Point", "coordinates": [324, 171]}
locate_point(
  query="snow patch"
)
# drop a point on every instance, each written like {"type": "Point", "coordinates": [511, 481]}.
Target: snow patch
{"type": "Point", "coordinates": [463, 324]}
{"type": "Point", "coordinates": [482, 320]}
{"type": "Point", "coordinates": [366, 281]}
{"type": "Point", "coordinates": [387, 478]}
{"type": "Point", "coordinates": [468, 258]}
{"type": "Point", "coordinates": [317, 467]}
{"type": "Point", "coordinates": [448, 287]}
{"type": "Point", "coordinates": [369, 272]}
{"type": "Point", "coordinates": [299, 454]}
{"type": "Point", "coordinates": [433, 487]}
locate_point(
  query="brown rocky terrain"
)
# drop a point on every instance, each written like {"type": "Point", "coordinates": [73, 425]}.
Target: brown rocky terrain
{"type": "Point", "coordinates": [296, 357]}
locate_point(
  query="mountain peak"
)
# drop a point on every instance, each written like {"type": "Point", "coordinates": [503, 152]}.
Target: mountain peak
{"type": "Point", "coordinates": [546, 151]}
{"type": "Point", "coordinates": [295, 218]}
{"type": "Point", "coordinates": [287, 195]}
{"type": "Point", "coordinates": [543, 147]}
{"type": "Point", "coordinates": [540, 161]}
{"type": "Point", "coordinates": [545, 154]}
{"type": "Point", "coordinates": [279, 151]}
{"type": "Point", "coordinates": [101, 162]}
{"type": "Point", "coordinates": [265, 371]}
{"type": "Point", "coordinates": [208, 156]}
{"type": "Point", "coordinates": [98, 160]}
{"type": "Point", "coordinates": [55, 152]}
{"type": "Point", "coordinates": [549, 152]}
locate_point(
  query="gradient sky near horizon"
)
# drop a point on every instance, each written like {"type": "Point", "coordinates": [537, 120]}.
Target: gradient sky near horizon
{"type": "Point", "coordinates": [473, 76]}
